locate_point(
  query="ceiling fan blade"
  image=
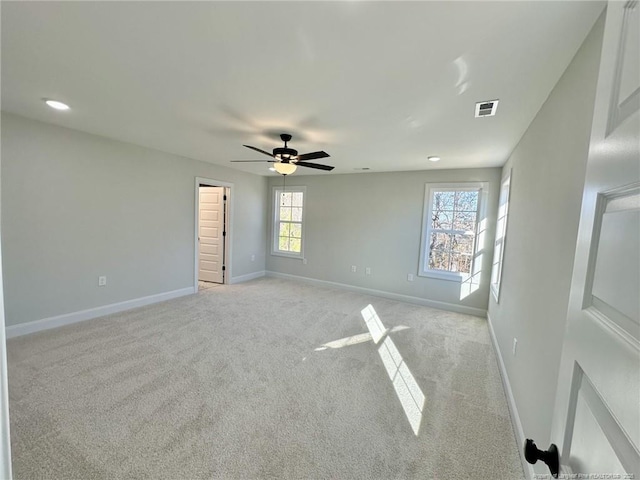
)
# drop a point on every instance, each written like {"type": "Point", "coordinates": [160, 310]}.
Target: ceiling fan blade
{"type": "Point", "coordinates": [315, 165]}
{"type": "Point", "coordinates": [261, 161]}
{"type": "Point", "coordinates": [258, 150]}
{"type": "Point", "coordinates": [313, 155]}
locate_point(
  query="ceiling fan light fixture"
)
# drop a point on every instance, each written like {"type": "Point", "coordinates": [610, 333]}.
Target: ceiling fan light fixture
{"type": "Point", "coordinates": [285, 168]}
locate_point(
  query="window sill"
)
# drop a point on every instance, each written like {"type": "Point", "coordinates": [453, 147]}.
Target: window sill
{"type": "Point", "coordinates": [448, 276]}
{"type": "Point", "coordinates": [495, 292]}
{"type": "Point", "coordinates": [295, 256]}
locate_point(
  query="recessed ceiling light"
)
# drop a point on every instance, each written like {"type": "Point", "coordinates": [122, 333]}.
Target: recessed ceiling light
{"type": "Point", "coordinates": [433, 159]}
{"type": "Point", "coordinates": [272, 169]}
{"type": "Point", "coordinates": [57, 105]}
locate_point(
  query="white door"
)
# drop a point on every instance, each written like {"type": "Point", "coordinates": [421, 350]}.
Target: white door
{"type": "Point", "coordinates": [211, 234]}
{"type": "Point", "coordinates": [596, 423]}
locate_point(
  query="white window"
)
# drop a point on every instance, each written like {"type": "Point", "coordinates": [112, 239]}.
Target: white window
{"type": "Point", "coordinates": [449, 229]}
{"type": "Point", "coordinates": [288, 227]}
{"type": "Point", "coordinates": [501, 232]}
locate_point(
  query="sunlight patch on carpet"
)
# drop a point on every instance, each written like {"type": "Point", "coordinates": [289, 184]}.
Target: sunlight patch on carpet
{"type": "Point", "coordinates": [404, 383]}
{"type": "Point", "coordinates": [374, 324]}
{"type": "Point", "coordinates": [355, 339]}
{"type": "Point", "coordinates": [409, 393]}
{"type": "Point", "coordinates": [407, 389]}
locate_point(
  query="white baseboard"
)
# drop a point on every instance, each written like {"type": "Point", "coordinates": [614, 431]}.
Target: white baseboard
{"type": "Point", "coordinates": [511, 401]}
{"type": "Point", "coordinates": [74, 317]}
{"type": "Point", "coordinates": [247, 277]}
{"type": "Point", "coordinates": [379, 293]}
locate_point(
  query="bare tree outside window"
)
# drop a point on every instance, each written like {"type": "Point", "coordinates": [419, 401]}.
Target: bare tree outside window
{"type": "Point", "coordinates": [454, 214]}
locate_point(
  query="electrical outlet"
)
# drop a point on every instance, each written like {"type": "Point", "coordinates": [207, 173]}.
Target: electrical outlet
{"type": "Point", "coordinates": [253, 258]}
{"type": "Point", "coordinates": [410, 277]}
{"type": "Point", "coordinates": [304, 261]}
{"type": "Point", "coordinates": [354, 269]}
{"type": "Point", "coordinates": [515, 346]}
{"type": "Point", "coordinates": [367, 270]}
{"type": "Point", "coordinates": [102, 281]}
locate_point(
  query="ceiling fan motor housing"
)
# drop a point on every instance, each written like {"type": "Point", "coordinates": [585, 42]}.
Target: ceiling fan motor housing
{"type": "Point", "coordinates": [285, 154]}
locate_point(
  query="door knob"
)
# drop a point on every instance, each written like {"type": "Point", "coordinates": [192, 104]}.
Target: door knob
{"type": "Point", "coordinates": [532, 454]}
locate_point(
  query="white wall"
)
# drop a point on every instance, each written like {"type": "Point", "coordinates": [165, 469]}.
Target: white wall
{"type": "Point", "coordinates": [76, 206]}
{"type": "Point", "coordinates": [375, 220]}
{"type": "Point", "coordinates": [548, 171]}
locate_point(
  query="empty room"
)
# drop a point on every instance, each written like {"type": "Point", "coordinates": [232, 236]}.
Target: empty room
{"type": "Point", "coordinates": [313, 240]}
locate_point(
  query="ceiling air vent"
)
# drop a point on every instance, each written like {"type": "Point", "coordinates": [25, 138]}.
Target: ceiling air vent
{"type": "Point", "coordinates": [486, 109]}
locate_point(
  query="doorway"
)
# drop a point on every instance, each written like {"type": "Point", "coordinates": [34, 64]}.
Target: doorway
{"type": "Point", "coordinates": [212, 233]}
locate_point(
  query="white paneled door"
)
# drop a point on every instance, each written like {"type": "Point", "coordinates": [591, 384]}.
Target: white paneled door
{"type": "Point", "coordinates": [211, 228]}
{"type": "Point", "coordinates": [596, 423]}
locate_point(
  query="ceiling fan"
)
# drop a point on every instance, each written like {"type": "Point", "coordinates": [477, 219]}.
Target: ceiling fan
{"type": "Point", "coordinates": [286, 160]}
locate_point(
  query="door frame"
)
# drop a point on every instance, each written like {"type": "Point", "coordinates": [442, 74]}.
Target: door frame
{"type": "Point", "coordinates": [228, 227]}
{"type": "Point", "coordinates": [5, 436]}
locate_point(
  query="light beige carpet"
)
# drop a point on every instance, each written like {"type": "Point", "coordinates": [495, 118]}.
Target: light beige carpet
{"type": "Point", "coordinates": [234, 382]}
{"type": "Point", "coordinates": [207, 285]}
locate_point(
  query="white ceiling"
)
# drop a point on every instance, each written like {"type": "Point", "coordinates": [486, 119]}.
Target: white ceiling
{"type": "Point", "coordinates": [376, 84]}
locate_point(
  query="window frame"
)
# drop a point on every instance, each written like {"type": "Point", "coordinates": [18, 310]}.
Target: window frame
{"type": "Point", "coordinates": [423, 269]}
{"type": "Point", "coordinates": [275, 221]}
{"type": "Point", "coordinates": [500, 241]}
